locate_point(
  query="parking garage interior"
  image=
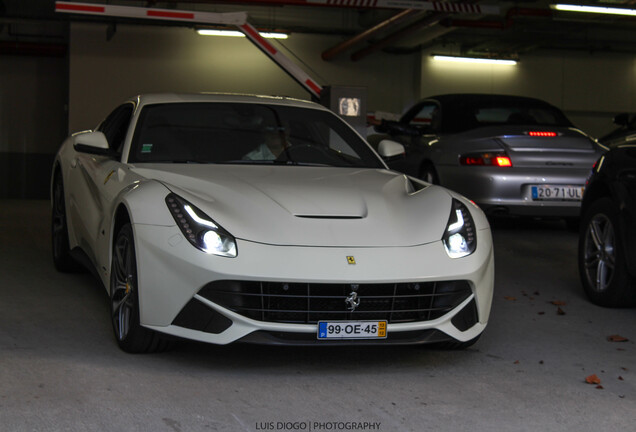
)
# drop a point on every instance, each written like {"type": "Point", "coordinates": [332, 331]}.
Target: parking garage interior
{"type": "Point", "coordinates": [532, 369]}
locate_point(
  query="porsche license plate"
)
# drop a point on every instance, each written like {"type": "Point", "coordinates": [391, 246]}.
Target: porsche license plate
{"type": "Point", "coordinates": [556, 193]}
{"type": "Point", "coordinates": [352, 330]}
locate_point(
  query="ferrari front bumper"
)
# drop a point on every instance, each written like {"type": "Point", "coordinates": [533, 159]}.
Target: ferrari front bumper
{"type": "Point", "coordinates": [176, 281]}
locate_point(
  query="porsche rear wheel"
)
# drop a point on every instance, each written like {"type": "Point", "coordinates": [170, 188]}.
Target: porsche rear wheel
{"type": "Point", "coordinates": [428, 173]}
{"type": "Point", "coordinates": [602, 264]}
{"type": "Point", "coordinates": [124, 299]}
{"type": "Point", "coordinates": [62, 258]}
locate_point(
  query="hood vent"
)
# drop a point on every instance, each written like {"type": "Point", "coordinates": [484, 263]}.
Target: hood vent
{"type": "Point", "coordinates": [328, 217]}
{"type": "Point", "coordinates": [414, 186]}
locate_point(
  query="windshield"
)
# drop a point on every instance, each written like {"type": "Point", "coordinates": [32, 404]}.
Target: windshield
{"type": "Point", "coordinates": [246, 133]}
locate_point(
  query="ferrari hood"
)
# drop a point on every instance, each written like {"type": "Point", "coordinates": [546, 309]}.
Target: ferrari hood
{"type": "Point", "coordinates": [311, 206]}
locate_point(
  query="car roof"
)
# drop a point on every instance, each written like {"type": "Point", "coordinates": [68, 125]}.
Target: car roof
{"type": "Point", "coordinates": [160, 98]}
{"type": "Point", "coordinates": [468, 97]}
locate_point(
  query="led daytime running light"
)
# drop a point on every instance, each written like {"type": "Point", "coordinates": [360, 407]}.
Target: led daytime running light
{"type": "Point", "coordinates": [460, 237]}
{"type": "Point", "coordinates": [199, 229]}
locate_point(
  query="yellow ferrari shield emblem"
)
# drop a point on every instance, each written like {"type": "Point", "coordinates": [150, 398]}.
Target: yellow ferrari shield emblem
{"type": "Point", "coordinates": [351, 260]}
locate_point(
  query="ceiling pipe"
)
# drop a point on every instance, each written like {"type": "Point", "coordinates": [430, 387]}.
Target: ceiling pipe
{"type": "Point", "coordinates": [446, 21]}
{"type": "Point", "coordinates": [429, 21]}
{"type": "Point", "coordinates": [500, 25]}
{"type": "Point", "coordinates": [396, 19]}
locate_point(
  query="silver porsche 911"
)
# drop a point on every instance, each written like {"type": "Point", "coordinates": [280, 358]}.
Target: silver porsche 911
{"type": "Point", "coordinates": [509, 154]}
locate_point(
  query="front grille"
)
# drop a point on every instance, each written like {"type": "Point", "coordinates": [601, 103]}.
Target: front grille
{"type": "Point", "coordinates": [308, 303]}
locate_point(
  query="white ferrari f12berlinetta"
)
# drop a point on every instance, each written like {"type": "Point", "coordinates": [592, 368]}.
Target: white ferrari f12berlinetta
{"type": "Point", "coordinates": [224, 218]}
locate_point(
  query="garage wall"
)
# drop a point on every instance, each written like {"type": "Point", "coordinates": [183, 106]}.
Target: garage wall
{"type": "Point", "coordinates": [33, 118]}
{"type": "Point", "coordinates": [140, 59]}
{"type": "Point", "coordinates": [590, 88]}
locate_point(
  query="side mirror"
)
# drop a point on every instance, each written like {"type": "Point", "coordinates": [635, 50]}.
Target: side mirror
{"type": "Point", "coordinates": [92, 143]}
{"type": "Point", "coordinates": [396, 128]}
{"type": "Point", "coordinates": [621, 119]}
{"type": "Point", "coordinates": [388, 149]}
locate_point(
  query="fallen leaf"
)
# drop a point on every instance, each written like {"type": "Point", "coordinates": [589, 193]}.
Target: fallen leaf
{"type": "Point", "coordinates": [558, 303]}
{"type": "Point", "coordinates": [560, 311]}
{"type": "Point", "coordinates": [536, 293]}
{"type": "Point", "coordinates": [510, 298]}
{"type": "Point", "coordinates": [593, 379]}
{"type": "Point", "coordinates": [600, 387]}
{"type": "Point", "coordinates": [540, 313]}
{"type": "Point", "coordinates": [620, 378]}
{"type": "Point", "coordinates": [617, 338]}
{"type": "Point", "coordinates": [516, 362]}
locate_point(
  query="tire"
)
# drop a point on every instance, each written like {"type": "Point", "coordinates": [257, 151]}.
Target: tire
{"type": "Point", "coordinates": [60, 248]}
{"type": "Point", "coordinates": [602, 264]}
{"type": "Point", "coordinates": [124, 299]}
{"type": "Point", "coordinates": [428, 173]}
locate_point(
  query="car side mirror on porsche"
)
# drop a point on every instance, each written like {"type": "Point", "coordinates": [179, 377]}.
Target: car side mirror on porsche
{"type": "Point", "coordinates": [621, 119]}
{"type": "Point", "coordinates": [388, 149]}
{"type": "Point", "coordinates": [91, 142]}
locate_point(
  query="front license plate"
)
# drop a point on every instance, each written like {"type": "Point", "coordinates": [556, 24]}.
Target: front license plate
{"type": "Point", "coordinates": [352, 330]}
{"type": "Point", "coordinates": [557, 193]}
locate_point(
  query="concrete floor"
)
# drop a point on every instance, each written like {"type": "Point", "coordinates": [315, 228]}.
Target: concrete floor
{"type": "Point", "coordinates": [60, 369]}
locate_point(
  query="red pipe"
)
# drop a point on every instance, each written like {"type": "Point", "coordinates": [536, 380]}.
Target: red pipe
{"type": "Point", "coordinates": [334, 51]}
{"type": "Point", "coordinates": [32, 49]}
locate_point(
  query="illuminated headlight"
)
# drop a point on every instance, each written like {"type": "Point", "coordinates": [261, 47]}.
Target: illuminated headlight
{"type": "Point", "coordinates": [459, 237]}
{"type": "Point", "coordinates": [199, 228]}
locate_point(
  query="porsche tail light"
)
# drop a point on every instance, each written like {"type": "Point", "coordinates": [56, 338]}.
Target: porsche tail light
{"type": "Point", "coordinates": [545, 134]}
{"type": "Point", "coordinates": [486, 159]}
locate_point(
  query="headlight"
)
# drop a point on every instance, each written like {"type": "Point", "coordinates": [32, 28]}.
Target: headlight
{"type": "Point", "coordinates": [199, 229]}
{"type": "Point", "coordinates": [459, 237]}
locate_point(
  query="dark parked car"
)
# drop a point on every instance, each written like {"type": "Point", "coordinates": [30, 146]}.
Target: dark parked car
{"type": "Point", "coordinates": [607, 240]}
{"type": "Point", "coordinates": [626, 131]}
{"type": "Point", "coordinates": [509, 154]}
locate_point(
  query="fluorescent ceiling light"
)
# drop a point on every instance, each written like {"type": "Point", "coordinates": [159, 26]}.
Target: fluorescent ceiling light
{"type": "Point", "coordinates": [236, 33]}
{"type": "Point", "coordinates": [593, 9]}
{"type": "Point", "coordinates": [474, 60]}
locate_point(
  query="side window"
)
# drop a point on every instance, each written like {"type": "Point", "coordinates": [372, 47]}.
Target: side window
{"type": "Point", "coordinates": [428, 116]}
{"type": "Point", "coordinates": [116, 125]}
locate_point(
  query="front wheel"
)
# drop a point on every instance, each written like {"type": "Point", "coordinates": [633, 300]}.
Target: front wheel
{"type": "Point", "coordinates": [124, 299]}
{"type": "Point", "coordinates": [428, 173]}
{"type": "Point", "coordinates": [602, 265]}
{"type": "Point", "coordinates": [62, 258]}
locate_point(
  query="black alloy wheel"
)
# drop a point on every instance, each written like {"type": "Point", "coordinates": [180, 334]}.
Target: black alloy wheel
{"type": "Point", "coordinates": [124, 299]}
{"type": "Point", "coordinates": [602, 265]}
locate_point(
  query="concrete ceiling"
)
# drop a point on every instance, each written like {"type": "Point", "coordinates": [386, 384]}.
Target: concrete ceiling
{"type": "Point", "coordinates": [518, 27]}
